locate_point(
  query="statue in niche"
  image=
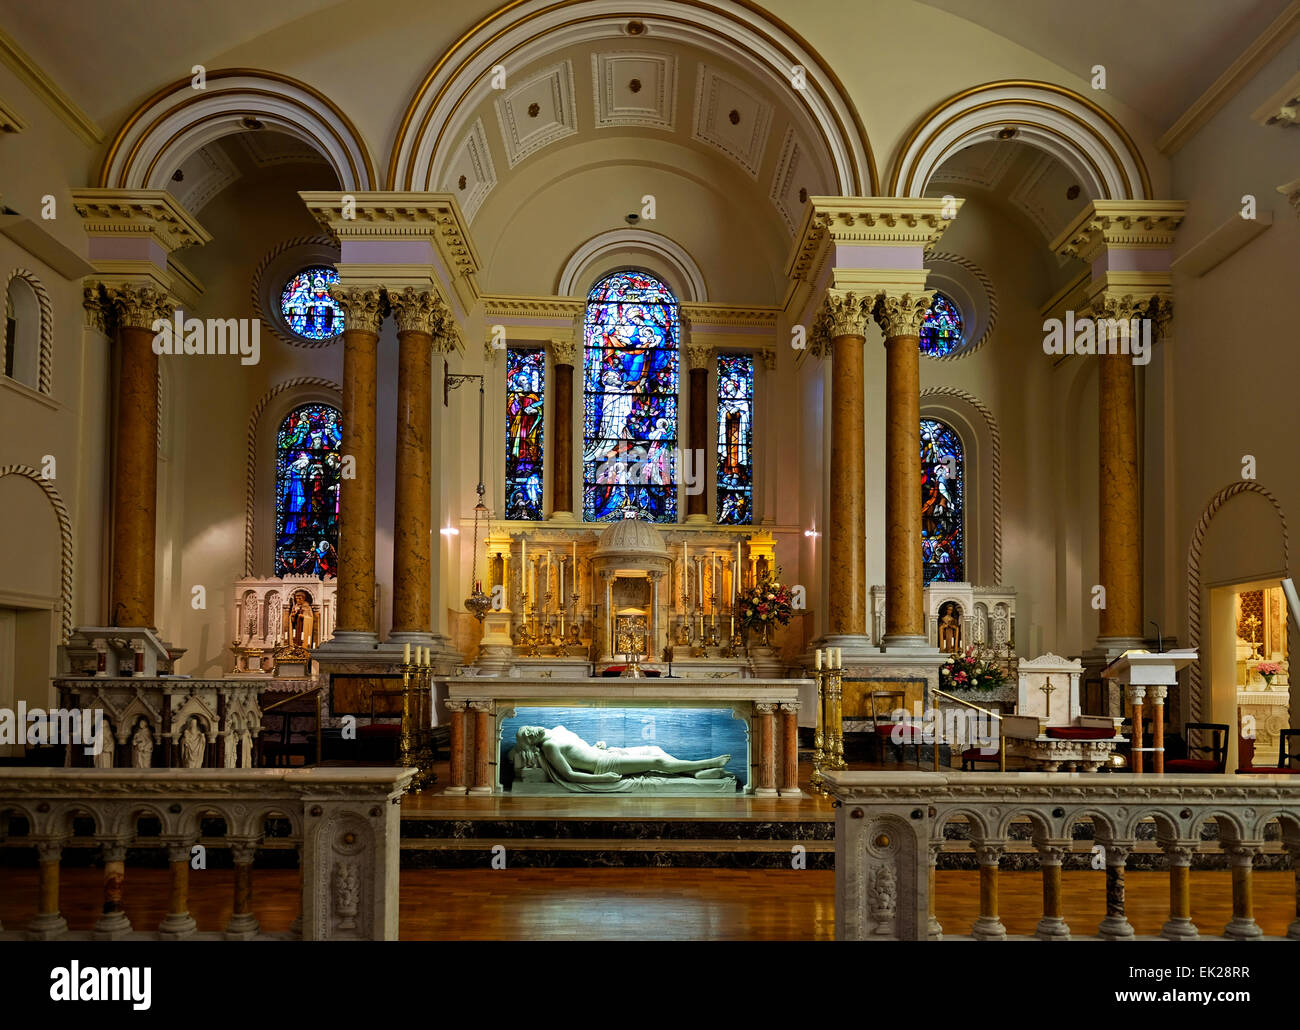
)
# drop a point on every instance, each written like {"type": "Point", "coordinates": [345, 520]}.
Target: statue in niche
{"type": "Point", "coordinates": [246, 749]}
{"type": "Point", "coordinates": [104, 760]}
{"type": "Point", "coordinates": [301, 619]}
{"type": "Point", "coordinates": [142, 746]}
{"type": "Point", "coordinates": [193, 744]}
{"type": "Point", "coordinates": [230, 757]}
{"type": "Point", "coordinates": [568, 760]}
{"type": "Point", "coordinates": [950, 627]}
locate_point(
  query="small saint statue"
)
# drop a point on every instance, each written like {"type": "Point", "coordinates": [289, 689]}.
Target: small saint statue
{"type": "Point", "coordinates": [192, 744]}
{"type": "Point", "coordinates": [301, 619]}
{"type": "Point", "coordinates": [230, 756]}
{"type": "Point", "coordinates": [950, 627]}
{"type": "Point", "coordinates": [142, 746]}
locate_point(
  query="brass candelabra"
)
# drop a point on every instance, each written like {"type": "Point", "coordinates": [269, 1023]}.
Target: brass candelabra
{"type": "Point", "coordinates": [415, 747]}
{"type": "Point", "coordinates": [828, 739]}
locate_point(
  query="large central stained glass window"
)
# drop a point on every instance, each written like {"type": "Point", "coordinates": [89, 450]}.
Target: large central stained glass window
{"type": "Point", "coordinates": [943, 503]}
{"type": "Point", "coordinates": [735, 439]}
{"type": "Point", "coordinates": [307, 467]}
{"type": "Point", "coordinates": [525, 392]}
{"type": "Point", "coordinates": [630, 400]}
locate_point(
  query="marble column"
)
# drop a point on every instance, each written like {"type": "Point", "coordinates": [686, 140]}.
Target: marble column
{"type": "Point", "coordinates": [48, 922]}
{"type": "Point", "coordinates": [764, 744]}
{"type": "Point", "coordinates": [113, 923]}
{"type": "Point", "coordinates": [1158, 727]}
{"type": "Point", "coordinates": [1052, 927]}
{"type": "Point", "coordinates": [697, 497]}
{"type": "Point", "coordinates": [243, 924]}
{"type": "Point", "coordinates": [459, 779]}
{"type": "Point", "coordinates": [845, 319]}
{"type": "Point", "coordinates": [1115, 926]}
{"type": "Point", "coordinates": [790, 752]}
{"type": "Point", "coordinates": [564, 354]}
{"type": "Point", "coordinates": [934, 929]}
{"type": "Point", "coordinates": [363, 313]}
{"type": "Point", "coordinates": [1137, 748]}
{"type": "Point", "coordinates": [900, 317]}
{"type": "Point", "coordinates": [178, 923]}
{"type": "Point", "coordinates": [484, 718]}
{"type": "Point", "coordinates": [1241, 859]}
{"type": "Point", "coordinates": [988, 926]}
{"type": "Point", "coordinates": [1179, 926]}
{"type": "Point", "coordinates": [417, 313]}
{"type": "Point", "coordinates": [135, 454]}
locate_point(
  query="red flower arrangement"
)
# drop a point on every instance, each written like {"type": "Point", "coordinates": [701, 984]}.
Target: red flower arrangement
{"type": "Point", "coordinates": [762, 605]}
{"type": "Point", "coordinates": [970, 671]}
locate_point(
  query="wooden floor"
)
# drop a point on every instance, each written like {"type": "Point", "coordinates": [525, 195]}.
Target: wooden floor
{"type": "Point", "coordinates": [632, 904]}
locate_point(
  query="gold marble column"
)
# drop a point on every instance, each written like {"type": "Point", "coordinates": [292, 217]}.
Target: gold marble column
{"type": "Point", "coordinates": [135, 453]}
{"type": "Point", "coordinates": [1241, 859]}
{"type": "Point", "coordinates": [1179, 926]}
{"type": "Point", "coordinates": [243, 924]}
{"type": "Point", "coordinates": [988, 926]}
{"type": "Point", "coordinates": [178, 923]}
{"type": "Point", "coordinates": [113, 923]}
{"type": "Point", "coordinates": [48, 922]}
{"type": "Point", "coordinates": [484, 722]}
{"type": "Point", "coordinates": [900, 317]}
{"type": "Point", "coordinates": [363, 313]}
{"type": "Point", "coordinates": [1052, 926]}
{"type": "Point", "coordinates": [459, 778]}
{"type": "Point", "coordinates": [565, 357]}
{"type": "Point", "coordinates": [697, 497]}
{"type": "Point", "coordinates": [844, 320]}
{"type": "Point", "coordinates": [417, 313]}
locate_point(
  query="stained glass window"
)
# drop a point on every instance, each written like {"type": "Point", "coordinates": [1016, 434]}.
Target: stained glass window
{"type": "Point", "coordinates": [735, 439]}
{"type": "Point", "coordinates": [307, 306]}
{"type": "Point", "coordinates": [525, 394]}
{"type": "Point", "coordinates": [943, 503]}
{"type": "Point", "coordinates": [307, 466]}
{"type": "Point", "coordinates": [941, 330]}
{"type": "Point", "coordinates": [630, 400]}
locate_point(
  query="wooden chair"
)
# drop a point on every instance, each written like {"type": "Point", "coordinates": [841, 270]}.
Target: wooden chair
{"type": "Point", "coordinates": [884, 725]}
{"type": "Point", "coordinates": [290, 729]}
{"type": "Point", "coordinates": [1288, 752]}
{"type": "Point", "coordinates": [1217, 750]}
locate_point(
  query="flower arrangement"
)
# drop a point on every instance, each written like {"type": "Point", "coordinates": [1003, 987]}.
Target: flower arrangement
{"type": "Point", "coordinates": [760, 606]}
{"type": "Point", "coordinates": [969, 670]}
{"type": "Point", "coordinates": [1268, 670]}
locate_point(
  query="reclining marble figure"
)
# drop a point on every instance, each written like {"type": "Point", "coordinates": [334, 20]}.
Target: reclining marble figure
{"type": "Point", "coordinates": [569, 761]}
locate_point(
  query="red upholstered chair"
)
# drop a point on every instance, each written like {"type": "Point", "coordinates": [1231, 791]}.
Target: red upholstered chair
{"type": "Point", "coordinates": [884, 703]}
{"type": "Point", "coordinates": [1288, 753]}
{"type": "Point", "coordinates": [1216, 751]}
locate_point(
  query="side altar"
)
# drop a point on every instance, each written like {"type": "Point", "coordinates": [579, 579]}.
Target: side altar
{"type": "Point", "coordinates": [667, 736]}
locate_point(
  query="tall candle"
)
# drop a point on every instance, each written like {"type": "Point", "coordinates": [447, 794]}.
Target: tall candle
{"type": "Point", "coordinates": [575, 566]}
{"type": "Point", "coordinates": [735, 578]}
{"type": "Point", "coordinates": [523, 574]}
{"type": "Point", "coordinates": [713, 580]}
{"type": "Point", "coordinates": [406, 654]}
{"type": "Point", "coordinates": [819, 659]}
{"type": "Point", "coordinates": [547, 590]}
{"type": "Point", "coordinates": [699, 584]}
{"type": "Point", "coordinates": [561, 584]}
{"type": "Point", "coordinates": [686, 575]}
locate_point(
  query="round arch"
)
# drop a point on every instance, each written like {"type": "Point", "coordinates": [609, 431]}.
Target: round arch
{"type": "Point", "coordinates": [65, 540]}
{"type": "Point", "coordinates": [178, 120]}
{"type": "Point", "coordinates": [1065, 124]}
{"type": "Point", "coordinates": [45, 326]}
{"type": "Point", "coordinates": [621, 245]}
{"type": "Point", "coordinates": [524, 31]}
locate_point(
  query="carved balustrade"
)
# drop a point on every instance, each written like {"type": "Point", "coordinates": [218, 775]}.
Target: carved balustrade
{"type": "Point", "coordinates": [343, 822]}
{"type": "Point", "coordinates": [889, 829]}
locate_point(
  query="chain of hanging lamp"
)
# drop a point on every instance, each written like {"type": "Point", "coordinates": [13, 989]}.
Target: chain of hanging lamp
{"type": "Point", "coordinates": [478, 602]}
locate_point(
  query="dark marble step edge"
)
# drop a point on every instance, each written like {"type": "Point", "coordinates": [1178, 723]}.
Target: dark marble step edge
{"type": "Point", "coordinates": [645, 829]}
{"type": "Point", "coordinates": [602, 843]}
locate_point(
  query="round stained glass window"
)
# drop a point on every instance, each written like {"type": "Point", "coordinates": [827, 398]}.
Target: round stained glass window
{"type": "Point", "coordinates": [941, 330]}
{"type": "Point", "coordinates": [307, 307]}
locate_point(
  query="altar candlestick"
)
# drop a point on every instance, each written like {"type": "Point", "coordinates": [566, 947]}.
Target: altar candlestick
{"type": "Point", "coordinates": [406, 654]}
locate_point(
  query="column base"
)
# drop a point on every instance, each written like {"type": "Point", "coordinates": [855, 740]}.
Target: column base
{"type": "Point", "coordinates": [792, 795]}
{"type": "Point", "coordinates": [295, 928]}
{"type": "Point", "coordinates": [562, 516]}
{"type": "Point", "coordinates": [988, 928]}
{"type": "Point", "coordinates": [111, 926]}
{"type": "Point", "coordinates": [242, 928]}
{"type": "Point", "coordinates": [854, 645]}
{"type": "Point", "coordinates": [698, 520]}
{"type": "Point", "coordinates": [934, 929]}
{"type": "Point", "coordinates": [1052, 928]}
{"type": "Point", "coordinates": [1179, 930]}
{"type": "Point", "coordinates": [1115, 928]}
{"type": "Point", "coordinates": [1293, 931]}
{"type": "Point", "coordinates": [462, 791]}
{"type": "Point", "coordinates": [399, 637]}
{"type": "Point", "coordinates": [346, 641]}
{"type": "Point", "coordinates": [1243, 930]}
{"type": "Point", "coordinates": [176, 926]}
{"type": "Point", "coordinates": [765, 792]}
{"type": "Point", "coordinates": [478, 791]}
{"type": "Point", "coordinates": [47, 927]}
{"type": "Point", "coordinates": [908, 643]}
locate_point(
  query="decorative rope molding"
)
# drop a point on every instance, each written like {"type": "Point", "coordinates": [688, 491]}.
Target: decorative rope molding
{"type": "Point", "coordinates": [44, 374]}
{"type": "Point", "coordinates": [65, 534]}
{"type": "Point", "coordinates": [250, 489]}
{"type": "Point", "coordinates": [1194, 574]}
{"type": "Point", "coordinates": [270, 318]}
{"type": "Point", "coordinates": [990, 296]}
{"type": "Point", "coordinates": [995, 476]}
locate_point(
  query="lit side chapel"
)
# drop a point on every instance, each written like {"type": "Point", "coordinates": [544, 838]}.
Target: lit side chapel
{"type": "Point", "coordinates": [634, 416]}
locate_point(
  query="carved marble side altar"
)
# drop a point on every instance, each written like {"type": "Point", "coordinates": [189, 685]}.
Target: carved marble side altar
{"type": "Point", "coordinates": [768, 710]}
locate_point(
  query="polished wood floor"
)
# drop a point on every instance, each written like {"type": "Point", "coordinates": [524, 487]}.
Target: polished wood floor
{"type": "Point", "coordinates": [633, 904]}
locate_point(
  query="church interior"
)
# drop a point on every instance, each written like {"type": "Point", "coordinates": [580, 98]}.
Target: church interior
{"type": "Point", "coordinates": [692, 469]}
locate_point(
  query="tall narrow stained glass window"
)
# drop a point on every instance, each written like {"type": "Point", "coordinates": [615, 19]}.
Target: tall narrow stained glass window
{"type": "Point", "coordinates": [735, 439]}
{"type": "Point", "coordinates": [941, 330]}
{"type": "Point", "coordinates": [307, 467]}
{"type": "Point", "coordinates": [525, 399]}
{"type": "Point", "coordinates": [307, 307]}
{"type": "Point", "coordinates": [943, 503]}
{"type": "Point", "coordinates": [630, 380]}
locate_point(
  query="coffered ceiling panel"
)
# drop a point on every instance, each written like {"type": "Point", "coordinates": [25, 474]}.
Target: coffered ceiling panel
{"type": "Point", "coordinates": [795, 180]}
{"type": "Point", "coordinates": [537, 111]}
{"type": "Point", "coordinates": [470, 173]}
{"type": "Point", "coordinates": [635, 88]}
{"type": "Point", "coordinates": [730, 117]}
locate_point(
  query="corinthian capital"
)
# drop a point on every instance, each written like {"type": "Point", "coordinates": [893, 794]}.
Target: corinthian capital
{"type": "Point", "coordinates": [416, 311]}
{"type": "Point", "coordinates": [844, 313]}
{"type": "Point", "coordinates": [565, 352]}
{"type": "Point", "coordinates": [363, 307]}
{"type": "Point", "coordinates": [697, 355]}
{"type": "Point", "coordinates": [1124, 308]}
{"type": "Point", "coordinates": [138, 307]}
{"type": "Point", "coordinates": [901, 314]}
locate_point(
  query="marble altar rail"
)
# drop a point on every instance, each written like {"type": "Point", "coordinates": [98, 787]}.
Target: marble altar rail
{"type": "Point", "coordinates": [889, 829]}
{"type": "Point", "coordinates": [344, 823]}
{"type": "Point", "coordinates": [770, 707]}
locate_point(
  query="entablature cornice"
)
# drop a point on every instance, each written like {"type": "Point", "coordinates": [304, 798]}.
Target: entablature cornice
{"type": "Point", "coordinates": [1121, 225]}
{"type": "Point", "coordinates": [155, 214]}
{"type": "Point", "coordinates": [867, 221]}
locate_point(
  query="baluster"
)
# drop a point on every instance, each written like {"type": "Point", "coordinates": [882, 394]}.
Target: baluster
{"type": "Point", "coordinates": [113, 923]}
{"type": "Point", "coordinates": [935, 928]}
{"type": "Point", "coordinates": [49, 922]}
{"type": "Point", "coordinates": [1115, 927]}
{"type": "Point", "coordinates": [988, 927]}
{"type": "Point", "coordinates": [243, 924]}
{"type": "Point", "coordinates": [178, 923]}
{"type": "Point", "coordinates": [1051, 852]}
{"type": "Point", "coordinates": [1180, 926]}
{"type": "Point", "coordinates": [295, 928]}
{"type": "Point", "coordinates": [1292, 844]}
{"type": "Point", "coordinates": [1241, 857]}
